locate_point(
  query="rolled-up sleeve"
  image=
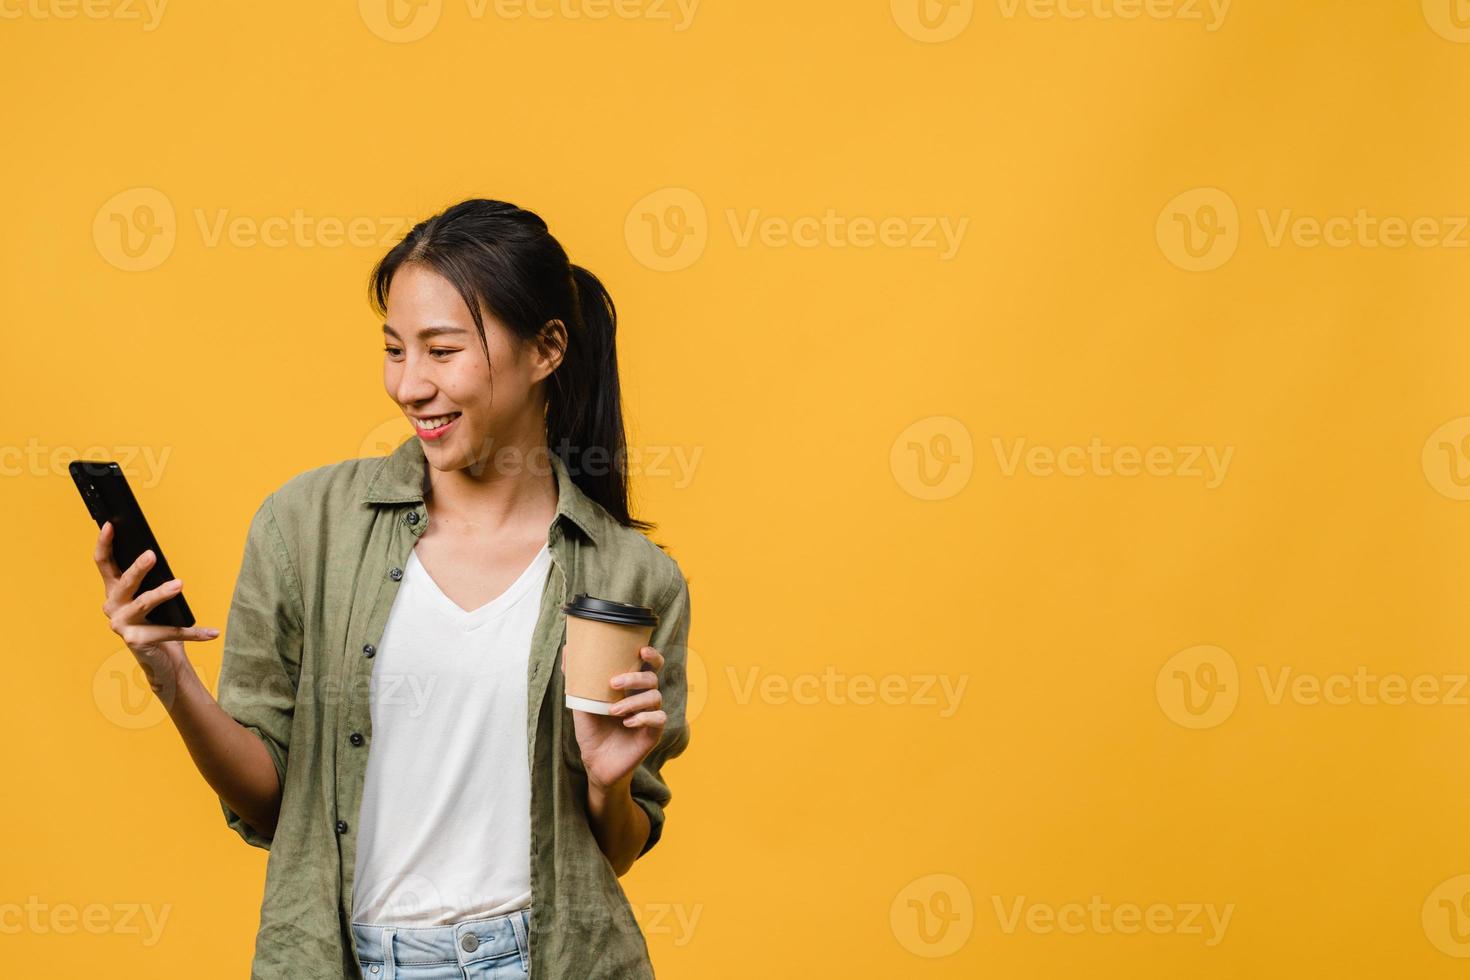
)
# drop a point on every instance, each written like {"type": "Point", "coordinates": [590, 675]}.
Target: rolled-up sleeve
{"type": "Point", "coordinates": [671, 638]}
{"type": "Point", "coordinates": [262, 650]}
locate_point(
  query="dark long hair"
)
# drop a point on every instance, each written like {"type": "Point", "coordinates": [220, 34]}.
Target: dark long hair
{"type": "Point", "coordinates": [503, 257]}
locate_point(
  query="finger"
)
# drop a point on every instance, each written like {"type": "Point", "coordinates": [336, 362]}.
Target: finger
{"type": "Point", "coordinates": [144, 603]}
{"type": "Point", "coordinates": [634, 703]}
{"type": "Point", "coordinates": [637, 680]}
{"type": "Point", "coordinates": [647, 719]}
{"type": "Point", "coordinates": [655, 659]}
{"type": "Point", "coordinates": [150, 635]}
{"type": "Point", "coordinates": [102, 555]}
{"type": "Point", "coordinates": [128, 582]}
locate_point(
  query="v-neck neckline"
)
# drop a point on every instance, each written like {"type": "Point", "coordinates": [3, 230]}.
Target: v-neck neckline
{"type": "Point", "coordinates": [471, 618]}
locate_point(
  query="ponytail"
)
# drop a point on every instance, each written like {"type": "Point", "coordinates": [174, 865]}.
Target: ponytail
{"type": "Point", "coordinates": [584, 414]}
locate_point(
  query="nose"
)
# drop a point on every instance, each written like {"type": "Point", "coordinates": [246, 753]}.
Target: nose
{"type": "Point", "coordinates": [413, 383]}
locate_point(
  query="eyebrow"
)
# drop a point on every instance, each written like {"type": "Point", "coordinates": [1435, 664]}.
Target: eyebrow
{"type": "Point", "coordinates": [427, 331]}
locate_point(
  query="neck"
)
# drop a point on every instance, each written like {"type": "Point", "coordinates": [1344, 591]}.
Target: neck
{"type": "Point", "coordinates": [515, 486]}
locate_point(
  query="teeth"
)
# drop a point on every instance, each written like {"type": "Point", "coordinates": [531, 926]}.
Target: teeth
{"type": "Point", "coordinates": [435, 423]}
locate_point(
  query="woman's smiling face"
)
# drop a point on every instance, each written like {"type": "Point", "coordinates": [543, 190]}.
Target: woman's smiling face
{"type": "Point", "coordinates": [462, 408]}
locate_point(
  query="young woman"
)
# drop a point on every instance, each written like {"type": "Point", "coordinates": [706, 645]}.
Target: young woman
{"type": "Point", "coordinates": [391, 721]}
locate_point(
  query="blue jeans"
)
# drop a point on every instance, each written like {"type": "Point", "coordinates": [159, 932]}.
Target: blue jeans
{"type": "Point", "coordinates": [497, 948]}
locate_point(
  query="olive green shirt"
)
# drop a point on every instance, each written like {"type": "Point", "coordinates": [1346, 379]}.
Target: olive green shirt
{"type": "Point", "coordinates": [323, 560]}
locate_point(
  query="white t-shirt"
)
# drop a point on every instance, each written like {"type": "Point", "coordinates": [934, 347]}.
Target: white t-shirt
{"type": "Point", "coordinates": [445, 827]}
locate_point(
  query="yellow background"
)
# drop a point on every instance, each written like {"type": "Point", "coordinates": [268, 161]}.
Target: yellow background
{"type": "Point", "coordinates": [824, 393]}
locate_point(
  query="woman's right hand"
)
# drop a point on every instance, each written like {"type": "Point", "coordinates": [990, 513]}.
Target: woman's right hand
{"type": "Point", "coordinates": [159, 649]}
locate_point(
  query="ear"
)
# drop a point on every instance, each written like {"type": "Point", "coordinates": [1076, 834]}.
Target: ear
{"type": "Point", "coordinates": [548, 350]}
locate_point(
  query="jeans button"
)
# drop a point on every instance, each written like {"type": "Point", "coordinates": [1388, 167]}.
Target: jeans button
{"type": "Point", "coordinates": [470, 942]}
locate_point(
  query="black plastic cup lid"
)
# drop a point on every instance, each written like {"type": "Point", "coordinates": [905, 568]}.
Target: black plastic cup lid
{"type": "Point", "coordinates": [584, 606]}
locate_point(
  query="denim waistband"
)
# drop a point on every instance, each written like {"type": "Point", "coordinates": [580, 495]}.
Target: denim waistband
{"type": "Point", "coordinates": [465, 942]}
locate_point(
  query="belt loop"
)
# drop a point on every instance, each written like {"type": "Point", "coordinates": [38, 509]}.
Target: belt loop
{"type": "Point", "coordinates": [390, 967]}
{"type": "Point", "coordinates": [518, 923]}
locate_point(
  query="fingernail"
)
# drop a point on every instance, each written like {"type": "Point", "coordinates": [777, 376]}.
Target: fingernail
{"type": "Point", "coordinates": [211, 632]}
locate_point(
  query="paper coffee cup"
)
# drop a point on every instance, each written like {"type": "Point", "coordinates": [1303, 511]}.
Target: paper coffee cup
{"type": "Point", "coordinates": [603, 640]}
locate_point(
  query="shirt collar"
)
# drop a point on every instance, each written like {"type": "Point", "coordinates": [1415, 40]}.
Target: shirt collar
{"type": "Point", "coordinates": [400, 479]}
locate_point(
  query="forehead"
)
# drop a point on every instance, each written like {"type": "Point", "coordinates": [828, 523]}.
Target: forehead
{"type": "Point", "coordinates": [418, 291]}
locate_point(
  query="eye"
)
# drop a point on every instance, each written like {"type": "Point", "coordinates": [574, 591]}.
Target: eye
{"type": "Point", "coordinates": [393, 351]}
{"type": "Point", "coordinates": [436, 351]}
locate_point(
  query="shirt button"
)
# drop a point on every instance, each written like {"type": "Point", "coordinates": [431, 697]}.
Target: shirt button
{"type": "Point", "coordinates": [395, 573]}
{"type": "Point", "coordinates": [355, 738]}
{"type": "Point", "coordinates": [341, 826]}
{"type": "Point", "coordinates": [413, 517]}
{"type": "Point", "coordinates": [368, 649]}
{"type": "Point", "coordinates": [470, 942]}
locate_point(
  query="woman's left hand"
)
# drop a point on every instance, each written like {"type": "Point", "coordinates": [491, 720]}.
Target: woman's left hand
{"type": "Point", "coordinates": [613, 745]}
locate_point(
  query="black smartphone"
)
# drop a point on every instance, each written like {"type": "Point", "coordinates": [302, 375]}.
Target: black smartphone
{"type": "Point", "coordinates": [104, 489]}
